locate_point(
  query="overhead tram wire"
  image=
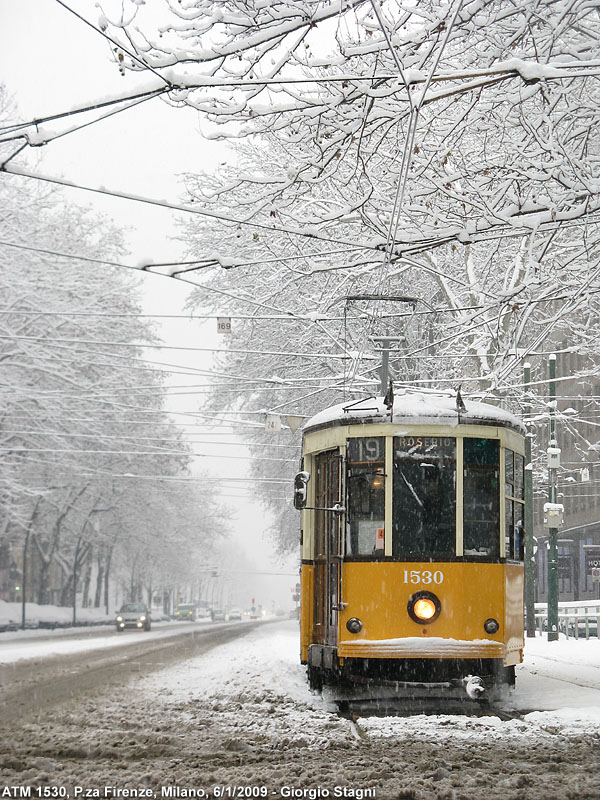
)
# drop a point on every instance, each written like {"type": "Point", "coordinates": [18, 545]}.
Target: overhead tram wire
{"type": "Point", "coordinates": [205, 287]}
{"type": "Point", "coordinates": [167, 392]}
{"type": "Point", "coordinates": [238, 351]}
{"type": "Point", "coordinates": [106, 437]}
{"type": "Point", "coordinates": [6, 129]}
{"type": "Point", "coordinates": [139, 453]}
{"type": "Point", "coordinates": [220, 292]}
{"type": "Point", "coordinates": [310, 234]}
{"type": "Point", "coordinates": [399, 189]}
{"type": "Point", "coordinates": [405, 356]}
{"type": "Point", "coordinates": [257, 317]}
{"type": "Point", "coordinates": [192, 317]}
{"type": "Point", "coordinates": [41, 142]}
{"type": "Point", "coordinates": [406, 160]}
{"type": "Point", "coordinates": [86, 471]}
{"type": "Point", "coordinates": [34, 359]}
{"type": "Point", "coordinates": [501, 231]}
{"type": "Point", "coordinates": [131, 55]}
{"type": "Point", "coordinates": [191, 371]}
{"type": "Point", "coordinates": [586, 69]}
{"type": "Point", "coordinates": [578, 69]}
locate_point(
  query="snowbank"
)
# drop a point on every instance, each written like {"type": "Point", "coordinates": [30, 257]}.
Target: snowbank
{"type": "Point", "coordinates": [37, 616]}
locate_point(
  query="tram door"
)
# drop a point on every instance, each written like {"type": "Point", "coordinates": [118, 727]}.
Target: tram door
{"type": "Point", "coordinates": [328, 547]}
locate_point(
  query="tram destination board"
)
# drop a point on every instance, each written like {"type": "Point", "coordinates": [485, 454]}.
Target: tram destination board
{"type": "Point", "coordinates": [430, 445]}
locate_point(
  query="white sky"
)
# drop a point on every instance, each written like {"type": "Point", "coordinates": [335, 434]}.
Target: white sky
{"type": "Point", "coordinates": [51, 62]}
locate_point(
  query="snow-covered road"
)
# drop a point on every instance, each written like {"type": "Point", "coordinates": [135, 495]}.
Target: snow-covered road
{"type": "Point", "coordinates": [240, 715]}
{"type": "Point", "coordinates": [19, 646]}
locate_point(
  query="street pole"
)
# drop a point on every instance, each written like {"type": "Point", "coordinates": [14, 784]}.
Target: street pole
{"type": "Point", "coordinates": [24, 581]}
{"type": "Point", "coordinates": [385, 366]}
{"type": "Point", "coordinates": [529, 556]}
{"type": "Point", "coordinates": [551, 511]}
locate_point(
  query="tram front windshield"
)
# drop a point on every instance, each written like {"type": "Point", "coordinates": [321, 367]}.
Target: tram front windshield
{"type": "Point", "coordinates": [424, 504]}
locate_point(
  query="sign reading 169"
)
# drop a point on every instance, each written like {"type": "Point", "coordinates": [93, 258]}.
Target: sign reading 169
{"type": "Point", "coordinates": [424, 576]}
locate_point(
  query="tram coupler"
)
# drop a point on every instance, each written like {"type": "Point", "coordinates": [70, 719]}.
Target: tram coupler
{"type": "Point", "coordinates": [474, 687]}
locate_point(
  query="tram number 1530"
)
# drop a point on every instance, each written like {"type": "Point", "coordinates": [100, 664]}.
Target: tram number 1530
{"type": "Point", "coordinates": [424, 576]}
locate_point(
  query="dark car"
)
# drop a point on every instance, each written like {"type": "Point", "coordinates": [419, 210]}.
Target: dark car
{"type": "Point", "coordinates": [217, 615]}
{"type": "Point", "coordinates": [133, 615]}
{"type": "Point", "coordinates": [234, 613]}
{"type": "Point", "coordinates": [186, 611]}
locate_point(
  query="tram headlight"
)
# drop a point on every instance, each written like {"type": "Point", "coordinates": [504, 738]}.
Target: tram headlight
{"type": "Point", "coordinates": [491, 625]}
{"type": "Point", "coordinates": [354, 625]}
{"type": "Point", "coordinates": [424, 607]}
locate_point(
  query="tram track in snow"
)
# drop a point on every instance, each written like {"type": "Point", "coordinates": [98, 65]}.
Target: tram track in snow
{"type": "Point", "coordinates": [34, 684]}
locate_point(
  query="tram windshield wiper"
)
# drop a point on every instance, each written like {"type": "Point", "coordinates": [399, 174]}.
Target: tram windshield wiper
{"type": "Point", "coordinates": [411, 489]}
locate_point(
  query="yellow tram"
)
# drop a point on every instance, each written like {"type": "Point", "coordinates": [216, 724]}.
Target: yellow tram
{"type": "Point", "coordinates": [412, 546]}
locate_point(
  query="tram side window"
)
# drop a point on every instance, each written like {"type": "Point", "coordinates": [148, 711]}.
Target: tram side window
{"type": "Point", "coordinates": [424, 500]}
{"type": "Point", "coordinates": [514, 490]}
{"type": "Point", "coordinates": [366, 496]}
{"type": "Point", "coordinates": [481, 497]}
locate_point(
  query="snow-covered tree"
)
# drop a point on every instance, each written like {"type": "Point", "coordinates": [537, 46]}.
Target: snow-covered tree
{"type": "Point", "coordinates": [88, 453]}
{"type": "Point", "coordinates": [442, 151]}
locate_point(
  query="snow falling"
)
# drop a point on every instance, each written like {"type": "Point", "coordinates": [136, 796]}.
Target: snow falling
{"type": "Point", "coordinates": [227, 718]}
{"type": "Point", "coordinates": [319, 187]}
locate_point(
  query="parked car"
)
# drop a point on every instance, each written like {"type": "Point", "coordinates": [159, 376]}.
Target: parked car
{"type": "Point", "coordinates": [133, 615]}
{"type": "Point", "coordinates": [581, 631]}
{"type": "Point", "coordinates": [217, 615]}
{"type": "Point", "coordinates": [186, 612]}
{"type": "Point", "coordinates": [235, 613]}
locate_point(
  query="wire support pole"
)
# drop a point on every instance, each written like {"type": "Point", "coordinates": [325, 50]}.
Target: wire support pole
{"type": "Point", "coordinates": [529, 556]}
{"type": "Point", "coordinates": [552, 531]}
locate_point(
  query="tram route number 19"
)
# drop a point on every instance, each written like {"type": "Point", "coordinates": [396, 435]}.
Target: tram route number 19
{"type": "Point", "coordinates": [424, 576]}
{"type": "Point", "coordinates": [366, 449]}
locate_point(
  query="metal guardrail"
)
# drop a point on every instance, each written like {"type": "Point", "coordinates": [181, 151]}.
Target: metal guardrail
{"type": "Point", "coordinates": [575, 619]}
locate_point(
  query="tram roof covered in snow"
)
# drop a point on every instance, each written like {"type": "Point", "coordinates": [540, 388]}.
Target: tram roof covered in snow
{"type": "Point", "coordinates": [415, 408]}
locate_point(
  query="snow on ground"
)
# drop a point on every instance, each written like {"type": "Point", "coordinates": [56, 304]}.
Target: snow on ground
{"type": "Point", "coordinates": [31, 644]}
{"type": "Point", "coordinates": [241, 715]}
{"type": "Point", "coordinates": [558, 679]}
{"type": "Point", "coordinates": [258, 677]}
{"type": "Point", "coordinates": [558, 686]}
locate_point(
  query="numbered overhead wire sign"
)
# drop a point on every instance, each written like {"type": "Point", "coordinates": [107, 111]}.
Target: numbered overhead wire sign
{"type": "Point", "coordinates": [273, 423]}
{"type": "Point", "coordinates": [223, 324]}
